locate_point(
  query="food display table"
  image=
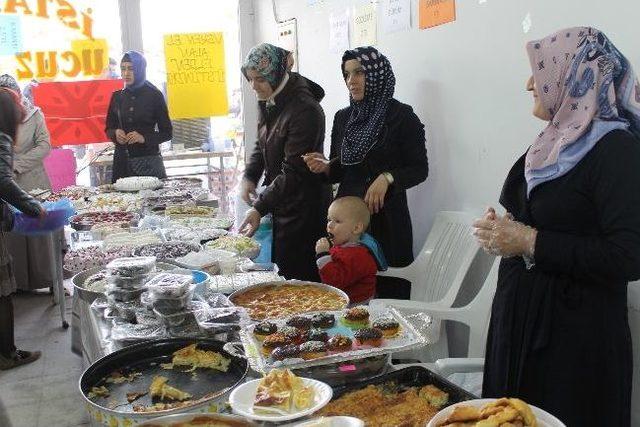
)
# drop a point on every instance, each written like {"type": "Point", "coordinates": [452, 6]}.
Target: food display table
{"type": "Point", "coordinates": [205, 160]}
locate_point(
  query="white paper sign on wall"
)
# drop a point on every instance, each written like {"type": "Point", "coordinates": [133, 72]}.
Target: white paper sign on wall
{"type": "Point", "coordinates": [339, 32]}
{"type": "Point", "coordinates": [364, 26]}
{"type": "Point", "coordinates": [288, 39]}
{"type": "Point", "coordinates": [395, 15]}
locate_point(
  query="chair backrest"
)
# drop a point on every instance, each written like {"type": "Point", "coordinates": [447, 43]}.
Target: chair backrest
{"type": "Point", "coordinates": [480, 312]}
{"type": "Point", "coordinates": [445, 258]}
{"type": "Point", "coordinates": [633, 304]}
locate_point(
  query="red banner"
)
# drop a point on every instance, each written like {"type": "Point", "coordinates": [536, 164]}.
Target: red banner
{"type": "Point", "coordinates": [75, 112]}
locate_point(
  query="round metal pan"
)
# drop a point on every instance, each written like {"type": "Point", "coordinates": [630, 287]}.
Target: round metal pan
{"type": "Point", "coordinates": [209, 388]}
{"type": "Point", "coordinates": [87, 295]}
{"type": "Point", "coordinates": [242, 291]}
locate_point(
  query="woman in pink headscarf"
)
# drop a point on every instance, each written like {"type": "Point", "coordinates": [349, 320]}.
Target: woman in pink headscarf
{"type": "Point", "coordinates": [570, 241]}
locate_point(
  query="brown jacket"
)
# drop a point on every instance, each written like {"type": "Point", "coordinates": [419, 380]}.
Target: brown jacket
{"type": "Point", "coordinates": [297, 198]}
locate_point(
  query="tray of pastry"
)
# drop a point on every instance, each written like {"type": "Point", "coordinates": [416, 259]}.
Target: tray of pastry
{"type": "Point", "coordinates": [328, 337]}
{"type": "Point", "coordinates": [409, 396]}
{"type": "Point", "coordinates": [279, 299]}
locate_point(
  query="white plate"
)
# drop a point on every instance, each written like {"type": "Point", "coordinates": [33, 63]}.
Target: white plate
{"type": "Point", "coordinates": [170, 420]}
{"type": "Point", "coordinates": [241, 401]}
{"type": "Point", "coordinates": [544, 418]}
{"type": "Point", "coordinates": [337, 421]}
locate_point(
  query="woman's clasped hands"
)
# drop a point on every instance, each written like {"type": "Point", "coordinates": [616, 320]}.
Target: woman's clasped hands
{"type": "Point", "coordinates": [132, 137]}
{"type": "Point", "coordinates": [503, 236]}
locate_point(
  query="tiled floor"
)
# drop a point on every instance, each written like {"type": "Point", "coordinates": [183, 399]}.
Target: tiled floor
{"type": "Point", "coordinates": [45, 392]}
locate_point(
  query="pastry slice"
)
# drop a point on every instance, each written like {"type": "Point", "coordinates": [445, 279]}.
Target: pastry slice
{"type": "Point", "coordinates": [190, 356]}
{"type": "Point", "coordinates": [281, 389]}
{"type": "Point", "coordinates": [160, 388]}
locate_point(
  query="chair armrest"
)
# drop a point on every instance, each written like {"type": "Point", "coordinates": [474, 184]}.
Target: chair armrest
{"type": "Point", "coordinates": [446, 367]}
{"type": "Point", "coordinates": [432, 309]}
{"type": "Point", "coordinates": [401, 272]}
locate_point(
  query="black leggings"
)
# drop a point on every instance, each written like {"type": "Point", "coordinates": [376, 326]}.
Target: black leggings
{"type": "Point", "coordinates": [7, 344]}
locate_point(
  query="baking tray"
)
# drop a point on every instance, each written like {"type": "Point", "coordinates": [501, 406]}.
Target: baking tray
{"type": "Point", "coordinates": [409, 338]}
{"type": "Point", "coordinates": [413, 376]}
{"type": "Point", "coordinates": [240, 292]}
{"type": "Point", "coordinates": [208, 387]}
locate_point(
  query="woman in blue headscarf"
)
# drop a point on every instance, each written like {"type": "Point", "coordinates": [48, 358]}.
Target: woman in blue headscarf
{"type": "Point", "coordinates": [377, 153]}
{"type": "Point", "coordinates": [137, 122]}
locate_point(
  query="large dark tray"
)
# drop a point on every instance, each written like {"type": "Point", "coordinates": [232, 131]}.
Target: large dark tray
{"type": "Point", "coordinates": [146, 358]}
{"type": "Point", "coordinates": [413, 376]}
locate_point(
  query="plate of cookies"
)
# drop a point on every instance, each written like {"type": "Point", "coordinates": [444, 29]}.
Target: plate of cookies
{"type": "Point", "coordinates": [494, 412]}
{"type": "Point", "coordinates": [326, 337]}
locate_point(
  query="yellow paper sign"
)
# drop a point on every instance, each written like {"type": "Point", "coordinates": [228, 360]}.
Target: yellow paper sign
{"type": "Point", "coordinates": [92, 55]}
{"type": "Point", "coordinates": [436, 12]}
{"type": "Point", "coordinates": [196, 79]}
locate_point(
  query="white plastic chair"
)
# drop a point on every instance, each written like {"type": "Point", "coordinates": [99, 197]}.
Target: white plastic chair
{"type": "Point", "coordinates": [436, 275]}
{"type": "Point", "coordinates": [476, 316]}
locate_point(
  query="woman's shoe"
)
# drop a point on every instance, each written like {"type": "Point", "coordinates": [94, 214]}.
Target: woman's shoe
{"type": "Point", "coordinates": [19, 358]}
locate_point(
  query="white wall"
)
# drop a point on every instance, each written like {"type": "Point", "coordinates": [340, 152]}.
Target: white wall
{"type": "Point", "coordinates": [465, 80]}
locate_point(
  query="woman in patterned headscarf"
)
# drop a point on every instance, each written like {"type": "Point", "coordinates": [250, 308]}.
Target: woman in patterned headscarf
{"type": "Point", "coordinates": [290, 124]}
{"type": "Point", "coordinates": [31, 254]}
{"type": "Point", "coordinates": [377, 153]}
{"type": "Point", "coordinates": [559, 335]}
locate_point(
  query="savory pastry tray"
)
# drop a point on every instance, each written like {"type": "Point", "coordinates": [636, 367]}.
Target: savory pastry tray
{"type": "Point", "coordinates": [408, 337]}
{"type": "Point", "coordinates": [413, 376]}
{"type": "Point", "coordinates": [266, 295]}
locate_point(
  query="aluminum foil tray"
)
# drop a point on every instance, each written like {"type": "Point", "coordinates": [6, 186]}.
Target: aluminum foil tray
{"type": "Point", "coordinates": [412, 335]}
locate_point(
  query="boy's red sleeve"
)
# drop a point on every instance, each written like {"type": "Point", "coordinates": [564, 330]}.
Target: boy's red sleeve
{"type": "Point", "coordinates": [336, 269]}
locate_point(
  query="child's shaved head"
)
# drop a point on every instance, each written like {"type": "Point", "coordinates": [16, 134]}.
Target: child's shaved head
{"type": "Point", "coordinates": [355, 208]}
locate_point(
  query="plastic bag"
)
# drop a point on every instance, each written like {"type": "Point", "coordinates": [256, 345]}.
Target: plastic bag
{"type": "Point", "coordinates": [58, 214]}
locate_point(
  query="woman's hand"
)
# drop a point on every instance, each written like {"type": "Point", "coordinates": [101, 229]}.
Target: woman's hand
{"type": "Point", "coordinates": [135, 138]}
{"type": "Point", "coordinates": [316, 162]}
{"type": "Point", "coordinates": [248, 191]}
{"type": "Point", "coordinates": [322, 245]}
{"type": "Point", "coordinates": [489, 215]}
{"type": "Point", "coordinates": [375, 194]}
{"type": "Point", "coordinates": [505, 237]}
{"type": "Point", "coordinates": [121, 137]}
{"type": "Point", "coordinates": [251, 222]}
{"type": "Point", "coordinates": [43, 213]}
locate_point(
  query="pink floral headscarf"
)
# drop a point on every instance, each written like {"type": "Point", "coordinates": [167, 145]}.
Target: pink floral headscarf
{"type": "Point", "coordinates": [588, 88]}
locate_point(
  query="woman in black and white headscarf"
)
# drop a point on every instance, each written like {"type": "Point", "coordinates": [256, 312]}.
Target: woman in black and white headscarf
{"type": "Point", "coordinates": [377, 152]}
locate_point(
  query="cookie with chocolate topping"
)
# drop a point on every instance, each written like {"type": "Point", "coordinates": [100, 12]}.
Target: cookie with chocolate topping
{"type": "Point", "coordinates": [286, 352]}
{"type": "Point", "coordinates": [315, 335]}
{"type": "Point", "coordinates": [356, 317]}
{"type": "Point", "coordinates": [339, 343]}
{"type": "Point", "coordinates": [323, 320]}
{"type": "Point", "coordinates": [300, 322]}
{"type": "Point", "coordinates": [313, 349]}
{"type": "Point", "coordinates": [368, 336]}
{"type": "Point", "coordinates": [264, 329]}
{"type": "Point", "coordinates": [388, 326]}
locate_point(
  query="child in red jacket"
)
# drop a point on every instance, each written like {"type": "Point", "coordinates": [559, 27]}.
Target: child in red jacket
{"type": "Point", "coordinates": [344, 262]}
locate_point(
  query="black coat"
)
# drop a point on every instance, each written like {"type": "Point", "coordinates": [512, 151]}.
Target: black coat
{"type": "Point", "coordinates": [297, 198]}
{"type": "Point", "coordinates": [9, 191]}
{"type": "Point", "coordinates": [559, 335]}
{"type": "Point", "coordinates": [401, 151]}
{"type": "Point", "coordinates": [143, 110]}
